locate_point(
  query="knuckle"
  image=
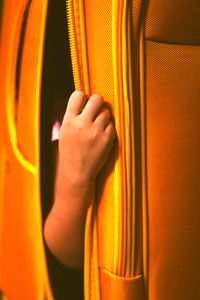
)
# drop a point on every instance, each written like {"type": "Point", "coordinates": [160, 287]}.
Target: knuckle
{"type": "Point", "coordinates": [110, 131]}
{"type": "Point", "coordinates": [97, 97]}
{"type": "Point", "coordinates": [107, 112]}
{"type": "Point", "coordinates": [78, 93]}
{"type": "Point", "coordinates": [79, 126]}
{"type": "Point", "coordinates": [66, 122]}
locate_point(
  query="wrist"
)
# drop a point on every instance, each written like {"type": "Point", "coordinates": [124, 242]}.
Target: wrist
{"type": "Point", "coordinates": [73, 194]}
{"type": "Point", "coordinates": [73, 173]}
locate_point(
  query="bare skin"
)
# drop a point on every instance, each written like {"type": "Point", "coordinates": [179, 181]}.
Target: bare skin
{"type": "Point", "coordinates": [86, 138]}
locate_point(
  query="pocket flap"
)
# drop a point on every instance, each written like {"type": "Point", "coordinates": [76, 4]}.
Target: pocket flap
{"type": "Point", "coordinates": [121, 288]}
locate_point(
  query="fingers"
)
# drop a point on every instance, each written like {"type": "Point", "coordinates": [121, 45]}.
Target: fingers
{"type": "Point", "coordinates": [103, 118]}
{"type": "Point", "coordinates": [110, 131]}
{"type": "Point", "coordinates": [92, 107]}
{"type": "Point", "coordinates": [76, 103]}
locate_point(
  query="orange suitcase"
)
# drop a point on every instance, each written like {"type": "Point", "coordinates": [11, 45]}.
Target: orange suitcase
{"type": "Point", "coordinates": [142, 229]}
{"type": "Point", "coordinates": [23, 272]}
{"type": "Point", "coordinates": [142, 233]}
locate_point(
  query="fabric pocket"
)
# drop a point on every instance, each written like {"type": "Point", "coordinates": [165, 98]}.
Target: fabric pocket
{"type": "Point", "coordinates": [122, 288]}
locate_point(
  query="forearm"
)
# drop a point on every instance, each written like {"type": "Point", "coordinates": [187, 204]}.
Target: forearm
{"type": "Point", "coordinates": [85, 140]}
{"type": "Point", "coordinates": [65, 225]}
{"type": "Point", "coordinates": [65, 238]}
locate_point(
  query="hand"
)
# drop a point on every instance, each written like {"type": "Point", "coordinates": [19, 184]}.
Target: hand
{"type": "Point", "coordinates": [86, 136]}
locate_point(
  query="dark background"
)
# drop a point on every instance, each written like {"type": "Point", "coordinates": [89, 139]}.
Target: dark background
{"type": "Point", "coordinates": [57, 86]}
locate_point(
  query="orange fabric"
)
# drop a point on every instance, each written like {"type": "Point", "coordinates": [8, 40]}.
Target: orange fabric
{"type": "Point", "coordinates": [23, 273]}
{"type": "Point", "coordinates": [107, 220]}
{"type": "Point", "coordinates": [115, 287]}
{"type": "Point", "coordinates": [99, 46]}
{"type": "Point", "coordinates": [159, 158]}
{"type": "Point", "coordinates": [171, 133]}
{"type": "Point", "coordinates": [173, 21]}
{"type": "Point", "coordinates": [173, 147]}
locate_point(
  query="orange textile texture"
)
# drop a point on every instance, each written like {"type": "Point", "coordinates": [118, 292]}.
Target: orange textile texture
{"type": "Point", "coordinates": [121, 287]}
{"type": "Point", "coordinates": [173, 147]}
{"type": "Point", "coordinates": [99, 47]}
{"type": "Point", "coordinates": [142, 229]}
{"type": "Point", "coordinates": [23, 272]}
{"type": "Point", "coordinates": [144, 58]}
{"type": "Point", "coordinates": [101, 43]}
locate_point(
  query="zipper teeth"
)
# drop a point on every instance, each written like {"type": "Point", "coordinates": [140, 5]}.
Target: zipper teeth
{"type": "Point", "coordinates": [117, 165]}
{"type": "Point", "coordinates": [130, 143]}
{"type": "Point", "coordinates": [126, 216]}
{"type": "Point", "coordinates": [132, 148]}
{"type": "Point", "coordinates": [119, 191]}
{"type": "Point", "coordinates": [123, 201]}
{"type": "Point", "coordinates": [78, 50]}
{"type": "Point", "coordinates": [145, 247]}
{"type": "Point", "coordinates": [73, 44]}
{"type": "Point", "coordinates": [127, 137]}
{"type": "Point", "coordinates": [83, 47]}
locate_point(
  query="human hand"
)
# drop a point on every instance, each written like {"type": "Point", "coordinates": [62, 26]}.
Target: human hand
{"type": "Point", "coordinates": [86, 136]}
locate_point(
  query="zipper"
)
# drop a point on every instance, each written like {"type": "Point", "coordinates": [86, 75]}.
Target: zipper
{"type": "Point", "coordinates": [120, 191]}
{"type": "Point", "coordinates": [78, 44]}
{"type": "Point", "coordinates": [78, 49]}
{"type": "Point", "coordinates": [125, 198]}
{"type": "Point", "coordinates": [145, 225]}
{"type": "Point", "coordinates": [73, 44]}
{"type": "Point", "coordinates": [131, 146]}
{"type": "Point", "coordinates": [124, 252]}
